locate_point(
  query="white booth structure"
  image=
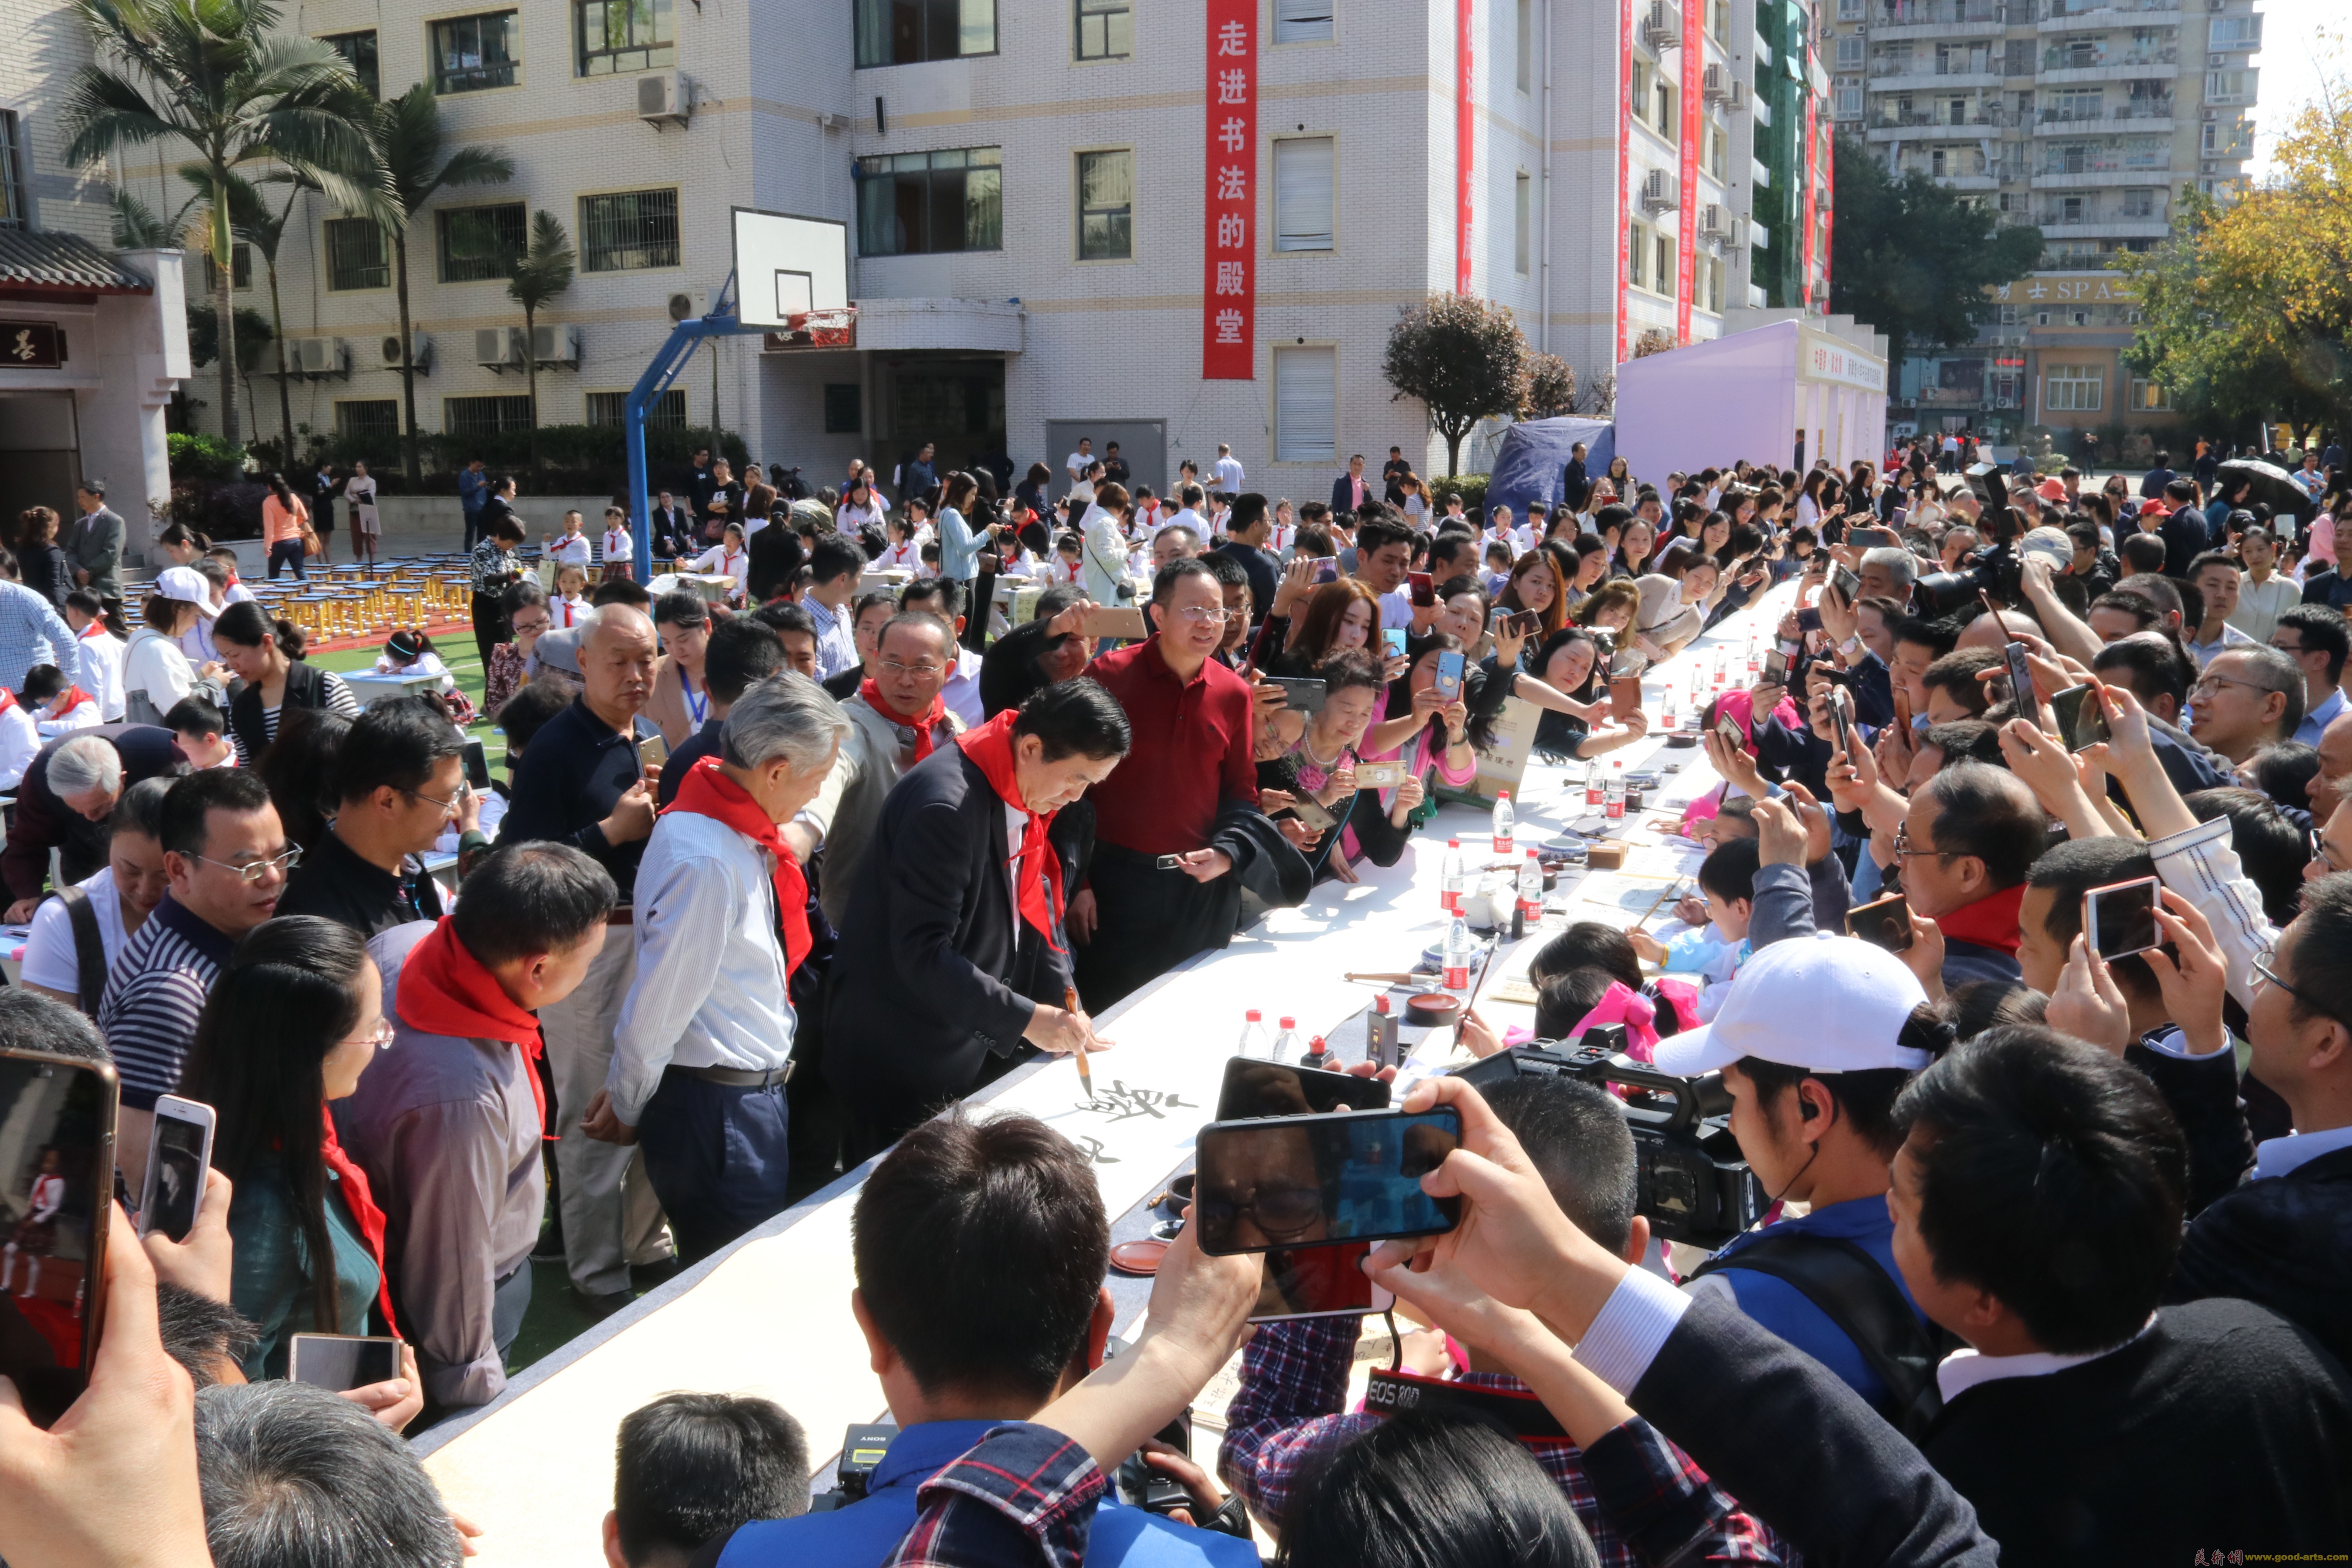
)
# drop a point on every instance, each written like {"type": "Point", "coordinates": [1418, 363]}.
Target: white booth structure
{"type": "Point", "coordinates": [1786, 391]}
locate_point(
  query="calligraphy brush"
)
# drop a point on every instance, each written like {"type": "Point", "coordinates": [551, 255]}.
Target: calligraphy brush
{"type": "Point", "coordinates": [1086, 1074]}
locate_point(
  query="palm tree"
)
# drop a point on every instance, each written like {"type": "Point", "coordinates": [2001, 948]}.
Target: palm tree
{"type": "Point", "coordinates": [542, 272]}
{"type": "Point", "coordinates": [250, 216]}
{"type": "Point", "coordinates": [404, 134]}
{"type": "Point", "coordinates": [217, 77]}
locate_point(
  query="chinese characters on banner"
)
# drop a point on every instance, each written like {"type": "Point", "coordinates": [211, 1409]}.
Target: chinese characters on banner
{"type": "Point", "coordinates": [1466, 123]}
{"type": "Point", "coordinates": [1229, 247]}
{"type": "Point", "coordinates": [1829, 217]}
{"type": "Point", "coordinates": [1625, 161]}
{"type": "Point", "coordinates": [1694, 66]}
{"type": "Point", "coordinates": [1812, 181]}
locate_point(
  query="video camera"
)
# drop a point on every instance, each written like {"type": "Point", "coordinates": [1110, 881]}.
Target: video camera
{"type": "Point", "coordinates": [1694, 1187]}
{"type": "Point", "coordinates": [862, 1448]}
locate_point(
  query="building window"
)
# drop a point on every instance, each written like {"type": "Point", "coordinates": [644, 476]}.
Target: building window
{"type": "Point", "coordinates": [1302, 21]}
{"type": "Point", "coordinates": [2072, 388]}
{"type": "Point", "coordinates": [907, 32]}
{"type": "Point", "coordinates": [844, 408]}
{"type": "Point", "coordinates": [480, 243]}
{"type": "Point", "coordinates": [356, 255]}
{"type": "Point", "coordinates": [628, 231]}
{"type": "Point", "coordinates": [1849, 52]}
{"type": "Point", "coordinates": [360, 50]}
{"type": "Point", "coordinates": [1302, 194]}
{"type": "Point", "coordinates": [1106, 206]}
{"type": "Point", "coordinates": [609, 408]}
{"type": "Point", "coordinates": [471, 53]}
{"type": "Point", "coordinates": [2225, 87]}
{"type": "Point", "coordinates": [1526, 44]}
{"type": "Point", "coordinates": [373, 416]}
{"type": "Point", "coordinates": [1714, 270]}
{"type": "Point", "coordinates": [919, 204]}
{"type": "Point", "coordinates": [2149, 397]}
{"type": "Point", "coordinates": [1306, 405]}
{"type": "Point", "coordinates": [2140, 202]}
{"type": "Point", "coordinates": [1637, 274]}
{"type": "Point", "coordinates": [617, 36]}
{"type": "Point", "coordinates": [485, 415]}
{"type": "Point", "coordinates": [1719, 154]}
{"type": "Point", "coordinates": [240, 270]}
{"type": "Point", "coordinates": [1640, 88]}
{"type": "Point", "coordinates": [1106, 29]}
{"type": "Point", "coordinates": [1522, 221]}
{"type": "Point", "coordinates": [16, 211]}
{"type": "Point", "coordinates": [1669, 124]}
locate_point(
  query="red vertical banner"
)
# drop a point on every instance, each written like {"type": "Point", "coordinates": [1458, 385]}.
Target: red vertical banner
{"type": "Point", "coordinates": [1624, 163]}
{"type": "Point", "coordinates": [1810, 163]}
{"type": "Point", "coordinates": [1829, 213]}
{"type": "Point", "coordinates": [1465, 122]}
{"type": "Point", "coordinates": [1229, 215]}
{"type": "Point", "coordinates": [1694, 70]}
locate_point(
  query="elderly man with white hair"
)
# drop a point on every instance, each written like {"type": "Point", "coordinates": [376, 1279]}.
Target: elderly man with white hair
{"type": "Point", "coordinates": [705, 1040]}
{"type": "Point", "coordinates": [66, 800]}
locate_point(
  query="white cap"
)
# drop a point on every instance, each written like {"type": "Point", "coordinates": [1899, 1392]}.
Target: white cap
{"type": "Point", "coordinates": [1835, 1003]}
{"type": "Point", "coordinates": [186, 585]}
{"type": "Point", "coordinates": [2051, 544]}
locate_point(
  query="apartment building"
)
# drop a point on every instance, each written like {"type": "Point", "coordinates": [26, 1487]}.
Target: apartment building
{"type": "Point", "coordinates": [1171, 228]}
{"type": "Point", "coordinates": [2085, 118]}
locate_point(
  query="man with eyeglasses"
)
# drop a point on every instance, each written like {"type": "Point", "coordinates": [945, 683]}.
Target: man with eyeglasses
{"type": "Point", "coordinates": [2248, 698]}
{"type": "Point", "coordinates": [896, 721]}
{"type": "Point", "coordinates": [1968, 838]}
{"type": "Point", "coordinates": [399, 781]}
{"type": "Point", "coordinates": [225, 861]}
{"type": "Point", "coordinates": [2317, 640]}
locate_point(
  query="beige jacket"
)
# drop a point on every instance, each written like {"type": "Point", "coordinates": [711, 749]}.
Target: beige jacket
{"type": "Point", "coordinates": [873, 757]}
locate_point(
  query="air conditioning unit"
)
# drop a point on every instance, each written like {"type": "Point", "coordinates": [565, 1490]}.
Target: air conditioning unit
{"type": "Point", "coordinates": [1735, 237]}
{"type": "Point", "coordinates": [1717, 83]}
{"type": "Point", "coordinates": [1661, 191]}
{"type": "Point", "coordinates": [265, 362]}
{"type": "Point", "coordinates": [499, 348]}
{"type": "Point", "coordinates": [321, 356]}
{"type": "Point", "coordinates": [420, 353]}
{"type": "Point", "coordinates": [665, 98]}
{"type": "Point", "coordinates": [1737, 97]}
{"type": "Point", "coordinates": [1714, 223]}
{"type": "Point", "coordinates": [1662, 29]}
{"type": "Point", "coordinates": [555, 345]}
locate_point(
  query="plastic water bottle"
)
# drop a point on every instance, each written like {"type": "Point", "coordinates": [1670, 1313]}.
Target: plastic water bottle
{"type": "Point", "coordinates": [1505, 819]}
{"type": "Point", "coordinates": [1592, 782]}
{"type": "Point", "coordinates": [1286, 1042]}
{"type": "Point", "coordinates": [1254, 1046]}
{"type": "Point", "coordinates": [1531, 890]}
{"type": "Point", "coordinates": [1612, 801]}
{"type": "Point", "coordinates": [1459, 949]}
{"type": "Point", "coordinates": [1449, 878]}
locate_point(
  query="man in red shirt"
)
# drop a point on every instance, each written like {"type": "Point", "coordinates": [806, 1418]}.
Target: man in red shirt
{"type": "Point", "coordinates": [1173, 818]}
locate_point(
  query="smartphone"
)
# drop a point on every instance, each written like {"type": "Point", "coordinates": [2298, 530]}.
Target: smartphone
{"type": "Point", "coordinates": [1392, 642]}
{"type": "Point", "coordinates": [1305, 1181]}
{"type": "Point", "coordinates": [1776, 668]}
{"type": "Point", "coordinates": [56, 1172]}
{"type": "Point", "coordinates": [2021, 684]}
{"type": "Point", "coordinates": [2120, 919]}
{"type": "Point", "coordinates": [1299, 695]}
{"type": "Point", "coordinates": [338, 1362]}
{"type": "Point", "coordinates": [1883, 923]}
{"type": "Point", "coordinates": [1122, 621]}
{"type": "Point", "coordinates": [1318, 1282]}
{"type": "Point", "coordinates": [1312, 813]}
{"type": "Point", "coordinates": [1327, 569]}
{"type": "Point", "coordinates": [1379, 775]}
{"type": "Point", "coordinates": [1848, 585]}
{"type": "Point", "coordinates": [1902, 708]}
{"type": "Point", "coordinates": [178, 1161]}
{"type": "Point", "coordinates": [1624, 696]}
{"type": "Point", "coordinates": [1728, 733]}
{"type": "Point", "coordinates": [1253, 1091]}
{"type": "Point", "coordinates": [1527, 624]}
{"type": "Point", "coordinates": [477, 765]}
{"type": "Point", "coordinates": [2076, 717]}
{"type": "Point", "coordinates": [1449, 676]}
{"type": "Point", "coordinates": [1424, 591]}
{"type": "Point", "coordinates": [1871, 538]}
{"type": "Point", "coordinates": [652, 750]}
{"type": "Point", "coordinates": [1841, 720]}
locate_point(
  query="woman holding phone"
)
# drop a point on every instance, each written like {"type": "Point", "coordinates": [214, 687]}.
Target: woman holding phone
{"type": "Point", "coordinates": [1676, 600]}
{"type": "Point", "coordinates": [1433, 737]}
{"type": "Point", "coordinates": [1535, 588]}
{"type": "Point", "coordinates": [1582, 724]}
{"type": "Point", "coordinates": [294, 1019]}
{"type": "Point", "coordinates": [1339, 617]}
{"type": "Point", "coordinates": [1316, 763]}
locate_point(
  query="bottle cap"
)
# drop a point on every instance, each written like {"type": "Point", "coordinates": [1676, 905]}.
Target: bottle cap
{"type": "Point", "coordinates": [1501, 794]}
{"type": "Point", "coordinates": [1314, 1047]}
{"type": "Point", "coordinates": [1290, 1023]}
{"type": "Point", "coordinates": [1380, 1004]}
{"type": "Point", "coordinates": [1454, 844]}
{"type": "Point", "coordinates": [1253, 1016]}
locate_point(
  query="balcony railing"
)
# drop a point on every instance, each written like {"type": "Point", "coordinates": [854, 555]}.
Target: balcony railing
{"type": "Point", "coordinates": [2059, 218]}
{"type": "Point", "coordinates": [2138, 109]}
{"type": "Point", "coordinates": [2088, 59]}
{"type": "Point", "coordinates": [1889, 120]}
{"type": "Point", "coordinates": [1904, 13]}
{"type": "Point", "coordinates": [1903, 66]}
{"type": "Point", "coordinates": [2052, 10]}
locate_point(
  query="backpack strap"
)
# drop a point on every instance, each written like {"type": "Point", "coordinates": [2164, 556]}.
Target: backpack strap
{"type": "Point", "coordinates": [90, 948]}
{"type": "Point", "coordinates": [1857, 1295]}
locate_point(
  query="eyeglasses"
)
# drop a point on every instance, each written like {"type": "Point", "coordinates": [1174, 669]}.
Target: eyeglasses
{"type": "Point", "coordinates": [1281, 1212]}
{"type": "Point", "coordinates": [2208, 680]}
{"type": "Point", "coordinates": [254, 870]}
{"type": "Point", "coordinates": [379, 1040]}
{"type": "Point", "coordinates": [524, 628]}
{"type": "Point", "coordinates": [2320, 849]}
{"type": "Point", "coordinates": [2265, 971]}
{"type": "Point", "coordinates": [447, 806]}
{"type": "Point", "coordinates": [1903, 850]}
{"type": "Point", "coordinates": [1200, 618]}
{"type": "Point", "coordinates": [895, 667]}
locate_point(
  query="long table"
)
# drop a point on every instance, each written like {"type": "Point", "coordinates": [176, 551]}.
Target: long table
{"type": "Point", "coordinates": [770, 1316]}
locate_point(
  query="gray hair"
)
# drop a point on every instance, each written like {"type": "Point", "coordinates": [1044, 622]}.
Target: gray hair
{"type": "Point", "coordinates": [294, 1477]}
{"type": "Point", "coordinates": [2274, 670]}
{"type": "Point", "coordinates": [786, 715]}
{"type": "Point", "coordinates": [84, 764]}
{"type": "Point", "coordinates": [1900, 564]}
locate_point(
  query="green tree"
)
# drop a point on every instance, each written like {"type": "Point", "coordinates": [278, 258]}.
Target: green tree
{"type": "Point", "coordinates": [253, 335]}
{"type": "Point", "coordinates": [1551, 386]}
{"type": "Point", "coordinates": [1465, 360]}
{"type": "Point", "coordinates": [265, 229]}
{"type": "Point", "coordinates": [217, 77]}
{"type": "Point", "coordinates": [405, 135]}
{"type": "Point", "coordinates": [1914, 261]}
{"type": "Point", "coordinates": [542, 274]}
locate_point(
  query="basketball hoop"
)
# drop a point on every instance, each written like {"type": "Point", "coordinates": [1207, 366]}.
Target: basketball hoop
{"type": "Point", "coordinates": [834, 329]}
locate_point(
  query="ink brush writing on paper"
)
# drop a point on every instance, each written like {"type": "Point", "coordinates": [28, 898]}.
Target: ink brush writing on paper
{"type": "Point", "coordinates": [1086, 1074]}
{"type": "Point", "coordinates": [1672, 889]}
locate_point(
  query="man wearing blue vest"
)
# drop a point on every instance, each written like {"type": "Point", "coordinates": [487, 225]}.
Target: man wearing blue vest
{"type": "Point", "coordinates": [979, 1248]}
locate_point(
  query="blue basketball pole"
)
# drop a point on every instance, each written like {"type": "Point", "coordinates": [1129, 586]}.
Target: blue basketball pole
{"type": "Point", "coordinates": [668, 362]}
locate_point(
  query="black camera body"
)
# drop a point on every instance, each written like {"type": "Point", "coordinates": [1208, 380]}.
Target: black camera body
{"type": "Point", "coordinates": [862, 1448]}
{"type": "Point", "coordinates": [1694, 1186]}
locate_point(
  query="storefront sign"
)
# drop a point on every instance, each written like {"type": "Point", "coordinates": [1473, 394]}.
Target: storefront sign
{"type": "Point", "coordinates": [1229, 248]}
{"type": "Point", "coordinates": [32, 345]}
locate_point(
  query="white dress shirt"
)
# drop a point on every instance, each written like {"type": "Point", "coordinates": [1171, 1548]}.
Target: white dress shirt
{"type": "Point", "coordinates": [836, 643]}
{"type": "Point", "coordinates": [618, 546]}
{"type": "Point", "coordinates": [710, 987]}
{"type": "Point", "coordinates": [571, 550]}
{"type": "Point", "coordinates": [1964, 1369]}
{"type": "Point", "coordinates": [102, 670]}
{"type": "Point", "coordinates": [20, 742]}
{"type": "Point", "coordinates": [961, 693]}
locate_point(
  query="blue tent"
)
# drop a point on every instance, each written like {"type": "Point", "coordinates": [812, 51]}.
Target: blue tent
{"type": "Point", "coordinates": [1533, 458]}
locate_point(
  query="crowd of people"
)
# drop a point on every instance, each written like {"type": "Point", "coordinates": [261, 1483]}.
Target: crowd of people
{"type": "Point", "coordinates": [775, 884]}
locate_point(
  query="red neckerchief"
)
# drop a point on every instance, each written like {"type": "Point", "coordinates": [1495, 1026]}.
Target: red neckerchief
{"type": "Point", "coordinates": [1990, 922]}
{"type": "Point", "coordinates": [74, 698]}
{"type": "Point", "coordinates": [931, 718]}
{"type": "Point", "coordinates": [1039, 893]}
{"type": "Point", "coordinates": [7, 699]}
{"type": "Point", "coordinates": [364, 1214]}
{"type": "Point", "coordinates": [95, 629]}
{"type": "Point", "coordinates": [445, 990]}
{"type": "Point", "coordinates": [708, 792]}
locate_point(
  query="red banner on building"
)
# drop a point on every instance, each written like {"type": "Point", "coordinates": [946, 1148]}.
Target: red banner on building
{"type": "Point", "coordinates": [1625, 161]}
{"type": "Point", "coordinates": [1829, 217]}
{"type": "Point", "coordinates": [1465, 124]}
{"type": "Point", "coordinates": [1229, 216]}
{"type": "Point", "coordinates": [1694, 66]}
{"type": "Point", "coordinates": [1810, 162]}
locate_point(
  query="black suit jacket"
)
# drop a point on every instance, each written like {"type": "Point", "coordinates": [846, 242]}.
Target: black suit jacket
{"type": "Point", "coordinates": [43, 823]}
{"type": "Point", "coordinates": [2285, 1242]}
{"type": "Point", "coordinates": [934, 973]}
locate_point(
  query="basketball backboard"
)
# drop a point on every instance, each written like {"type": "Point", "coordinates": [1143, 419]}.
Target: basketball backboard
{"type": "Point", "coordinates": [787, 266]}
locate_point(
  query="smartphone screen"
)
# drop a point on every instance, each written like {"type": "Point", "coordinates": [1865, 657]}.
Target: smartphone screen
{"type": "Point", "coordinates": [338, 1362]}
{"type": "Point", "coordinates": [1776, 668]}
{"type": "Point", "coordinates": [1318, 1282]}
{"type": "Point", "coordinates": [1424, 591]}
{"type": "Point", "coordinates": [2120, 919]}
{"type": "Point", "coordinates": [1449, 675]}
{"type": "Point", "coordinates": [1848, 585]}
{"type": "Point", "coordinates": [1327, 569]}
{"type": "Point", "coordinates": [2020, 683]}
{"type": "Point", "coordinates": [1378, 775]}
{"type": "Point", "coordinates": [176, 1164]}
{"type": "Point", "coordinates": [1838, 718]}
{"type": "Point", "coordinates": [1303, 1181]}
{"type": "Point", "coordinates": [2077, 719]}
{"type": "Point", "coordinates": [1300, 696]}
{"type": "Point", "coordinates": [1254, 1089]}
{"type": "Point", "coordinates": [477, 765]}
{"type": "Point", "coordinates": [1883, 922]}
{"type": "Point", "coordinates": [1729, 732]}
{"type": "Point", "coordinates": [57, 1164]}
